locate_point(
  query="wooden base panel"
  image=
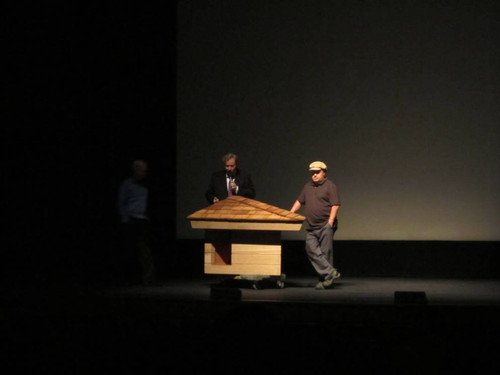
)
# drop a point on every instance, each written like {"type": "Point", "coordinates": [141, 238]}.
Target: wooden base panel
{"type": "Point", "coordinates": [243, 258]}
{"type": "Point", "coordinates": [243, 269]}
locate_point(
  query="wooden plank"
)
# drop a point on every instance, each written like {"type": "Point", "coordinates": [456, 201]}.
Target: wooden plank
{"type": "Point", "coordinates": [237, 225]}
{"type": "Point", "coordinates": [256, 254]}
{"type": "Point", "coordinates": [220, 241]}
{"type": "Point", "coordinates": [209, 253]}
{"type": "Point", "coordinates": [247, 255]}
{"type": "Point", "coordinates": [255, 249]}
{"type": "Point", "coordinates": [243, 269]}
{"type": "Point", "coordinates": [251, 252]}
{"type": "Point", "coordinates": [256, 259]}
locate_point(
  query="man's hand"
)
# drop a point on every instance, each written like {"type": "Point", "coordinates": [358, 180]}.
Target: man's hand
{"type": "Point", "coordinates": [333, 215]}
{"type": "Point", "coordinates": [296, 206]}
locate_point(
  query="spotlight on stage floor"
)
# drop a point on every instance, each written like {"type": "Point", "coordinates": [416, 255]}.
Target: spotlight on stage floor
{"type": "Point", "coordinates": [410, 298]}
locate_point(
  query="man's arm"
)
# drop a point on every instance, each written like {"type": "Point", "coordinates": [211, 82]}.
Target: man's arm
{"type": "Point", "coordinates": [246, 188]}
{"type": "Point", "coordinates": [296, 206]}
{"type": "Point", "coordinates": [333, 214]}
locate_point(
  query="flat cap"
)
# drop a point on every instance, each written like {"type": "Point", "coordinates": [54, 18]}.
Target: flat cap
{"type": "Point", "coordinates": [317, 166]}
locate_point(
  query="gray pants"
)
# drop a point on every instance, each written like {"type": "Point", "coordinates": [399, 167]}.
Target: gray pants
{"type": "Point", "coordinates": [319, 249]}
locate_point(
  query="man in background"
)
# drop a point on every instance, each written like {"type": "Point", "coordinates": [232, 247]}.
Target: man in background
{"type": "Point", "coordinates": [136, 226]}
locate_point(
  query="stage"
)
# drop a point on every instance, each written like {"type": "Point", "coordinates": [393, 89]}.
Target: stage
{"type": "Point", "coordinates": [189, 325]}
{"type": "Point", "coordinates": [346, 290]}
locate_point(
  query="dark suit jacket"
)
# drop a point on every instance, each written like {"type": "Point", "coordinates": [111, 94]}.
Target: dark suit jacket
{"type": "Point", "coordinates": [218, 188]}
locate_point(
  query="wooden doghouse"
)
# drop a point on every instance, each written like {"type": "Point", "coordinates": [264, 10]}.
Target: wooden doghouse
{"type": "Point", "coordinates": [243, 236]}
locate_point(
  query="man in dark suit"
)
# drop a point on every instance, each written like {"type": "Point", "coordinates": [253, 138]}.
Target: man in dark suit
{"type": "Point", "coordinates": [230, 181]}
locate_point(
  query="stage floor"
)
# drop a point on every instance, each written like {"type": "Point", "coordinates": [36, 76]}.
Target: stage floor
{"type": "Point", "coordinates": [346, 290]}
{"type": "Point", "coordinates": [177, 325]}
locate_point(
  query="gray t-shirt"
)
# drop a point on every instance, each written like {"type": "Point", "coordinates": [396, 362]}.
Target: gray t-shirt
{"type": "Point", "coordinates": [318, 201]}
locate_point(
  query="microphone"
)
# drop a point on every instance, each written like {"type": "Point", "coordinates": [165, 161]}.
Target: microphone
{"type": "Point", "coordinates": [230, 188]}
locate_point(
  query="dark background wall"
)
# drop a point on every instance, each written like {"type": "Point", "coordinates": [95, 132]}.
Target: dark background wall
{"type": "Point", "coordinates": [88, 88]}
{"type": "Point", "coordinates": [399, 98]}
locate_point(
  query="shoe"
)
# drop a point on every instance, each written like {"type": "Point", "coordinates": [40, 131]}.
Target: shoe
{"type": "Point", "coordinates": [336, 274]}
{"type": "Point", "coordinates": [319, 286]}
{"type": "Point", "coordinates": [329, 280]}
{"type": "Point", "coordinates": [256, 285]}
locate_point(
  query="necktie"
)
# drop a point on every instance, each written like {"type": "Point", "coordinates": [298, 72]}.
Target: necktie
{"type": "Point", "coordinates": [229, 190]}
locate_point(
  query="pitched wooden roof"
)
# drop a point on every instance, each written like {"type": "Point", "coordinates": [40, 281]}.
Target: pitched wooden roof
{"type": "Point", "coordinates": [237, 208]}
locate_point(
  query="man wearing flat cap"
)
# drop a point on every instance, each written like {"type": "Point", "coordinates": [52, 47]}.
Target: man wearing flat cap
{"type": "Point", "coordinates": [322, 202]}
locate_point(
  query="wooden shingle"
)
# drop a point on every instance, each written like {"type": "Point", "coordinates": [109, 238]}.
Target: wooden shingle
{"type": "Point", "coordinates": [237, 208]}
